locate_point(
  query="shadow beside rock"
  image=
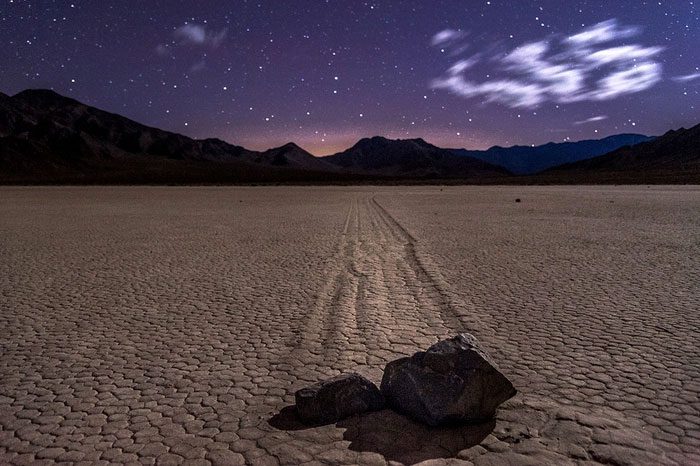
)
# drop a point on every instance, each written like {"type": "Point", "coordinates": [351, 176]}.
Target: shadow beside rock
{"type": "Point", "coordinates": [394, 436]}
{"type": "Point", "coordinates": [287, 419]}
{"type": "Point", "coordinates": [398, 438]}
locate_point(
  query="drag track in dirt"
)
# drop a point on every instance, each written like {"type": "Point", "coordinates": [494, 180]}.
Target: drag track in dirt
{"type": "Point", "coordinates": [173, 325]}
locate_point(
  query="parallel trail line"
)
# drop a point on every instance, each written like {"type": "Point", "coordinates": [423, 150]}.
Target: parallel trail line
{"type": "Point", "coordinates": [381, 297]}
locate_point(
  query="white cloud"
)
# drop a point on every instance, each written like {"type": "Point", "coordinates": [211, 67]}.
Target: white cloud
{"type": "Point", "coordinates": [635, 79]}
{"type": "Point", "coordinates": [527, 56]}
{"type": "Point", "coordinates": [555, 79]}
{"type": "Point", "coordinates": [592, 119]}
{"type": "Point", "coordinates": [463, 65]}
{"type": "Point", "coordinates": [446, 36]}
{"type": "Point", "coordinates": [600, 33]}
{"type": "Point", "coordinates": [197, 34]}
{"type": "Point", "coordinates": [573, 69]}
{"type": "Point", "coordinates": [687, 77]}
{"type": "Point", "coordinates": [623, 53]}
{"type": "Point", "coordinates": [511, 93]}
{"type": "Point", "coordinates": [192, 33]}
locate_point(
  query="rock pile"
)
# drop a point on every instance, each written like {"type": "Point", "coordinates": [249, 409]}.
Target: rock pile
{"type": "Point", "coordinates": [453, 381]}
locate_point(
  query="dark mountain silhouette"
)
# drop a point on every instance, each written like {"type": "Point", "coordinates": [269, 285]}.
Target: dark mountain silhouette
{"type": "Point", "coordinates": [410, 158]}
{"type": "Point", "coordinates": [291, 155]}
{"type": "Point", "coordinates": [47, 117]}
{"type": "Point", "coordinates": [525, 160]}
{"type": "Point", "coordinates": [48, 138]}
{"type": "Point", "coordinates": [45, 137]}
{"type": "Point", "coordinates": [673, 157]}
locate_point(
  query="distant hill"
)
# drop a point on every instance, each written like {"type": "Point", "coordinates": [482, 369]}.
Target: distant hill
{"type": "Point", "coordinates": [45, 137]}
{"type": "Point", "coordinates": [410, 158]}
{"type": "Point", "coordinates": [49, 120]}
{"type": "Point", "coordinates": [291, 155]}
{"type": "Point", "coordinates": [525, 160]}
{"type": "Point", "coordinates": [673, 157]}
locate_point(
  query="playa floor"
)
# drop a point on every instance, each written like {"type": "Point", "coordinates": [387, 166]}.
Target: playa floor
{"type": "Point", "coordinates": [172, 325]}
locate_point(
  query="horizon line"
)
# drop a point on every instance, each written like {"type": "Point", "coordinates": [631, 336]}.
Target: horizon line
{"type": "Point", "coordinates": [421, 137]}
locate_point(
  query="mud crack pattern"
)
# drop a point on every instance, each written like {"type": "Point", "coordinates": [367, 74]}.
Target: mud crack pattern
{"type": "Point", "coordinates": [173, 325]}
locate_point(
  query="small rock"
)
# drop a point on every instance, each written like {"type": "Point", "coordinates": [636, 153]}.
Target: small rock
{"type": "Point", "coordinates": [453, 381]}
{"type": "Point", "coordinates": [517, 200]}
{"type": "Point", "coordinates": [337, 398]}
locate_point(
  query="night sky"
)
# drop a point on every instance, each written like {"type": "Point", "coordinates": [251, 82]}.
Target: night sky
{"type": "Point", "coordinates": [325, 73]}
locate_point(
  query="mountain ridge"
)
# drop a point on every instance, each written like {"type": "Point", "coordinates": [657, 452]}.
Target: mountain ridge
{"type": "Point", "coordinates": [49, 138]}
{"type": "Point", "coordinates": [410, 157]}
{"type": "Point", "coordinates": [675, 153]}
{"type": "Point", "coordinates": [527, 160]}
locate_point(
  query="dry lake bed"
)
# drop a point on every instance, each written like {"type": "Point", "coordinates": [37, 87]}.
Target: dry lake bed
{"type": "Point", "coordinates": [172, 325]}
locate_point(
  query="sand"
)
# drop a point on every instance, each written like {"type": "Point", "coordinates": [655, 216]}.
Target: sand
{"type": "Point", "coordinates": [170, 325]}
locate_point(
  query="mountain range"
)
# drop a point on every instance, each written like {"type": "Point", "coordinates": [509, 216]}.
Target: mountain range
{"type": "Point", "coordinates": [671, 158]}
{"type": "Point", "coordinates": [46, 137]}
{"type": "Point", "coordinates": [52, 139]}
{"type": "Point", "coordinates": [527, 160]}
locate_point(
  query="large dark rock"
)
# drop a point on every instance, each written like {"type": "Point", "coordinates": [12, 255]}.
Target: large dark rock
{"type": "Point", "coordinates": [337, 398]}
{"type": "Point", "coordinates": [453, 381]}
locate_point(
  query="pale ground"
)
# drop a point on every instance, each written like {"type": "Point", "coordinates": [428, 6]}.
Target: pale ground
{"type": "Point", "coordinates": [173, 325]}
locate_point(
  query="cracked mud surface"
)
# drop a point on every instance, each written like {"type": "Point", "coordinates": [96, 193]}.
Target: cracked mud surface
{"type": "Point", "coordinates": [173, 325]}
